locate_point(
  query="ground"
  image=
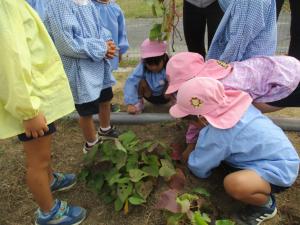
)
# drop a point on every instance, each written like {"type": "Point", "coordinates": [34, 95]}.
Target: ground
{"type": "Point", "coordinates": [17, 206]}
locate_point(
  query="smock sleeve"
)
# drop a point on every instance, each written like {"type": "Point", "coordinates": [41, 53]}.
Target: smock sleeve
{"type": "Point", "coordinates": [209, 152]}
{"type": "Point", "coordinates": [122, 34]}
{"type": "Point", "coordinates": [247, 21]}
{"type": "Point", "coordinates": [132, 85]}
{"type": "Point", "coordinates": [16, 93]}
{"type": "Point", "coordinates": [66, 32]}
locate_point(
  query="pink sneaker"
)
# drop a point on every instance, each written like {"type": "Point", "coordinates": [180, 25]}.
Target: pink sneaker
{"type": "Point", "coordinates": [140, 106]}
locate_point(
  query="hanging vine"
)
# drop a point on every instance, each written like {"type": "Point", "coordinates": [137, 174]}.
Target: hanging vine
{"type": "Point", "coordinates": [167, 27]}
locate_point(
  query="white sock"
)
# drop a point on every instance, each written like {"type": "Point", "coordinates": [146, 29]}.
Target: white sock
{"type": "Point", "coordinates": [105, 128]}
{"type": "Point", "coordinates": [92, 143]}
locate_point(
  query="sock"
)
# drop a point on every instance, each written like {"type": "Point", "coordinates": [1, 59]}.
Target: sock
{"type": "Point", "coordinates": [269, 203]}
{"type": "Point", "coordinates": [105, 128]}
{"type": "Point", "coordinates": [92, 143]}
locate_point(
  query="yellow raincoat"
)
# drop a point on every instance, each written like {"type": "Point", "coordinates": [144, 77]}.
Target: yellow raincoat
{"type": "Point", "coordinates": [32, 78]}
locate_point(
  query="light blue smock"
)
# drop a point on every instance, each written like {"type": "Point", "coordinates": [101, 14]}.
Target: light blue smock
{"type": "Point", "coordinates": [156, 81]}
{"type": "Point", "coordinates": [81, 41]}
{"type": "Point", "coordinates": [113, 19]}
{"type": "Point", "coordinates": [247, 29]}
{"type": "Point", "coordinates": [39, 6]}
{"type": "Point", "coordinates": [254, 143]}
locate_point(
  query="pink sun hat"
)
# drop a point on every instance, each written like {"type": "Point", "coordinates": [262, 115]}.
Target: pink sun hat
{"type": "Point", "coordinates": [186, 65]}
{"type": "Point", "coordinates": [205, 96]}
{"type": "Point", "coordinates": [152, 48]}
{"type": "Point", "coordinates": [182, 67]}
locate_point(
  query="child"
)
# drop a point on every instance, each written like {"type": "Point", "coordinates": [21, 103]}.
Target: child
{"type": "Point", "coordinates": [34, 92]}
{"type": "Point", "coordinates": [264, 160]}
{"type": "Point", "coordinates": [40, 7]}
{"type": "Point", "coordinates": [148, 80]}
{"type": "Point", "coordinates": [247, 29]}
{"type": "Point", "coordinates": [85, 47]}
{"type": "Point", "coordinates": [272, 81]}
{"type": "Point", "coordinates": [113, 19]}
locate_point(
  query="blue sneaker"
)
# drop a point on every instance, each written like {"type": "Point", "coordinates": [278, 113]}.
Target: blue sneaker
{"type": "Point", "coordinates": [63, 182]}
{"type": "Point", "coordinates": [255, 215]}
{"type": "Point", "coordinates": [61, 214]}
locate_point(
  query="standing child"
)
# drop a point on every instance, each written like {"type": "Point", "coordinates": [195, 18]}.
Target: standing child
{"type": "Point", "coordinates": [148, 80]}
{"type": "Point", "coordinates": [34, 92]}
{"type": "Point", "coordinates": [85, 47]}
{"type": "Point", "coordinates": [247, 29]}
{"type": "Point", "coordinates": [113, 19]}
{"type": "Point", "coordinates": [264, 160]}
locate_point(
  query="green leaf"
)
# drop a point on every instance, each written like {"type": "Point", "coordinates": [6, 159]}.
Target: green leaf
{"type": "Point", "coordinates": [155, 32]}
{"type": "Point", "coordinates": [187, 196]}
{"type": "Point", "coordinates": [107, 199]}
{"type": "Point", "coordinates": [184, 204]}
{"type": "Point", "coordinates": [167, 169]}
{"type": "Point", "coordinates": [82, 176]}
{"type": "Point", "coordinates": [224, 222]}
{"type": "Point", "coordinates": [91, 155]}
{"type": "Point", "coordinates": [151, 170]}
{"type": "Point", "coordinates": [127, 137]}
{"type": "Point", "coordinates": [132, 161]}
{"type": "Point", "coordinates": [201, 191]}
{"type": "Point", "coordinates": [198, 219]}
{"type": "Point", "coordinates": [124, 190]}
{"type": "Point", "coordinates": [120, 146]}
{"type": "Point", "coordinates": [136, 175]}
{"type": "Point", "coordinates": [206, 217]}
{"type": "Point", "coordinates": [175, 219]}
{"type": "Point", "coordinates": [154, 13]}
{"type": "Point", "coordinates": [118, 204]}
{"type": "Point", "coordinates": [96, 183]}
{"type": "Point", "coordinates": [136, 200]}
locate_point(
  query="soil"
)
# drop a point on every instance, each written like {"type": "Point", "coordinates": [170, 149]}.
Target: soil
{"type": "Point", "coordinates": [17, 206]}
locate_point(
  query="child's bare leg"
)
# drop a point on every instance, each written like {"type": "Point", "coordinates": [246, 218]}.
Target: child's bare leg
{"type": "Point", "coordinates": [189, 148]}
{"type": "Point", "coordinates": [247, 186]}
{"type": "Point", "coordinates": [88, 128]}
{"type": "Point", "coordinates": [104, 114]}
{"type": "Point", "coordinates": [38, 158]}
{"type": "Point", "coordinates": [144, 89]}
{"type": "Point", "coordinates": [266, 108]}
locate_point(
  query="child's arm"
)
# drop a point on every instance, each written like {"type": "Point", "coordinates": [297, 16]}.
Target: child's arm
{"type": "Point", "coordinates": [209, 152]}
{"type": "Point", "coordinates": [15, 67]}
{"type": "Point", "coordinates": [132, 85]}
{"type": "Point", "coordinates": [65, 29]}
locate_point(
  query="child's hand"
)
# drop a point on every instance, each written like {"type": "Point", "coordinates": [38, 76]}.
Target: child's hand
{"type": "Point", "coordinates": [131, 109]}
{"type": "Point", "coordinates": [36, 126]}
{"type": "Point", "coordinates": [111, 49]}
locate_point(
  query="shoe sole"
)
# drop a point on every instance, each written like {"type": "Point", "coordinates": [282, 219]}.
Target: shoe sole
{"type": "Point", "coordinates": [269, 216]}
{"type": "Point", "coordinates": [65, 188]}
{"type": "Point", "coordinates": [77, 223]}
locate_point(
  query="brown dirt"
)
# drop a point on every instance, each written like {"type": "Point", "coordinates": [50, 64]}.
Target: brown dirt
{"type": "Point", "coordinates": [17, 206]}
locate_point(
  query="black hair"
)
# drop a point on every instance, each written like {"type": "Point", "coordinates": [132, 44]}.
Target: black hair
{"type": "Point", "coordinates": [156, 60]}
{"type": "Point", "coordinates": [191, 118]}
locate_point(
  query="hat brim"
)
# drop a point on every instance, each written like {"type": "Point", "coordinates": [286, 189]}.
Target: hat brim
{"type": "Point", "coordinates": [150, 55]}
{"type": "Point", "coordinates": [176, 112]}
{"type": "Point", "coordinates": [172, 88]}
{"type": "Point", "coordinates": [229, 118]}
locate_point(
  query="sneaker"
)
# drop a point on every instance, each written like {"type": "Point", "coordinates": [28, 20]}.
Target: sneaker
{"type": "Point", "coordinates": [115, 108]}
{"type": "Point", "coordinates": [62, 214]}
{"type": "Point", "coordinates": [63, 182]}
{"type": "Point", "coordinates": [87, 148]}
{"type": "Point", "coordinates": [255, 215]}
{"type": "Point", "coordinates": [140, 106]}
{"type": "Point", "coordinates": [112, 133]}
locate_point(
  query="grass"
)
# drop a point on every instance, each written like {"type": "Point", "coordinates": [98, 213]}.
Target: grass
{"type": "Point", "coordinates": [140, 8]}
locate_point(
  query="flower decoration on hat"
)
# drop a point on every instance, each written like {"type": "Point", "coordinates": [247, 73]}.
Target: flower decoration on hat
{"type": "Point", "coordinates": [223, 64]}
{"type": "Point", "coordinates": [196, 102]}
